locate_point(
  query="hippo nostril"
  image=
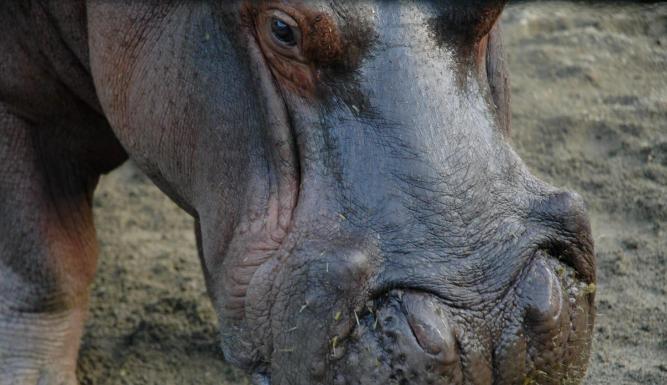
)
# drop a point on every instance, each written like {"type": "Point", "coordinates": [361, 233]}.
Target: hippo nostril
{"type": "Point", "coordinates": [430, 328]}
{"type": "Point", "coordinates": [567, 211]}
{"type": "Point", "coordinates": [551, 329]}
{"type": "Point", "coordinates": [543, 298]}
{"type": "Point", "coordinates": [570, 239]}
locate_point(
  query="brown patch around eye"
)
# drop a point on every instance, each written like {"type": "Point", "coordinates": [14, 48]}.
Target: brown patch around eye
{"type": "Point", "coordinates": [320, 45]}
{"type": "Point", "coordinates": [322, 42]}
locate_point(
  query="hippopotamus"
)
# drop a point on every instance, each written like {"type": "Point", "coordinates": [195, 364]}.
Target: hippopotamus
{"type": "Point", "coordinates": [360, 215]}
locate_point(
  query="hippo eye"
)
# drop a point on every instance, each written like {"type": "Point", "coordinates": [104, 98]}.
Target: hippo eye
{"type": "Point", "coordinates": [283, 32]}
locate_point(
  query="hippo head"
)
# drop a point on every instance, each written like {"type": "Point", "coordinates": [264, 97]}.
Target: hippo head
{"type": "Point", "coordinates": [360, 214]}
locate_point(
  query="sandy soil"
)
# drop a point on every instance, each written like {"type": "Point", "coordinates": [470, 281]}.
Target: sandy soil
{"type": "Point", "coordinates": [590, 112]}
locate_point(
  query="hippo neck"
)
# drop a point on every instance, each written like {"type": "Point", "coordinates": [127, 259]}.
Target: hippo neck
{"type": "Point", "coordinates": [47, 46]}
{"type": "Point", "coordinates": [53, 35]}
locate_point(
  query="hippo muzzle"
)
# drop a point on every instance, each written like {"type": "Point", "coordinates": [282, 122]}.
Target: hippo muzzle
{"type": "Point", "coordinates": [345, 317]}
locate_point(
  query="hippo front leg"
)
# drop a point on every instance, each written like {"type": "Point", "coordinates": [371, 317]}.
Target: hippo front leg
{"type": "Point", "coordinates": [47, 254]}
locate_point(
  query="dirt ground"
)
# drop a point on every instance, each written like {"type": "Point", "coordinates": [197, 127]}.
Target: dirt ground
{"type": "Point", "coordinates": [590, 113]}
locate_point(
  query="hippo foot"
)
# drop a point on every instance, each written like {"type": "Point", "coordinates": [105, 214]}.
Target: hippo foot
{"type": "Point", "coordinates": [39, 348]}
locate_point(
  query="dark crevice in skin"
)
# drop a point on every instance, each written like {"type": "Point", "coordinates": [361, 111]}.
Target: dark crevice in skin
{"type": "Point", "coordinates": [564, 253]}
{"type": "Point", "coordinates": [295, 148]}
{"type": "Point", "coordinates": [296, 156]}
{"type": "Point", "coordinates": [263, 377]}
{"type": "Point", "coordinates": [261, 368]}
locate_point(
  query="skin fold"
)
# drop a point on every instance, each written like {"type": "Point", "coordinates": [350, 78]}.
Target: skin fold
{"type": "Point", "coordinates": [361, 217]}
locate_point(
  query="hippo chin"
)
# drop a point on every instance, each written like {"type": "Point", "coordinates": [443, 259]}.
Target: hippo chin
{"type": "Point", "coordinates": [360, 215]}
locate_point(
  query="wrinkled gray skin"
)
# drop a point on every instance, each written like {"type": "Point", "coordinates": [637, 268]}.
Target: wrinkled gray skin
{"type": "Point", "coordinates": [377, 230]}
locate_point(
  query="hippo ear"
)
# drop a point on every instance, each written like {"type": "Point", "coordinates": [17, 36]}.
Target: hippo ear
{"type": "Point", "coordinates": [496, 70]}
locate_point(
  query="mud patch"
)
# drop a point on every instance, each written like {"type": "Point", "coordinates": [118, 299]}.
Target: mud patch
{"type": "Point", "coordinates": [590, 113]}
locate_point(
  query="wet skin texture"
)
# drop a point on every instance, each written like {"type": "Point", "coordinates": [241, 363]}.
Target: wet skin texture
{"type": "Point", "coordinates": [360, 215]}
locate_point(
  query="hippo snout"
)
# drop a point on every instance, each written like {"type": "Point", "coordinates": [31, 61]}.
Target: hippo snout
{"type": "Point", "coordinates": [539, 332]}
{"type": "Point", "coordinates": [348, 308]}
